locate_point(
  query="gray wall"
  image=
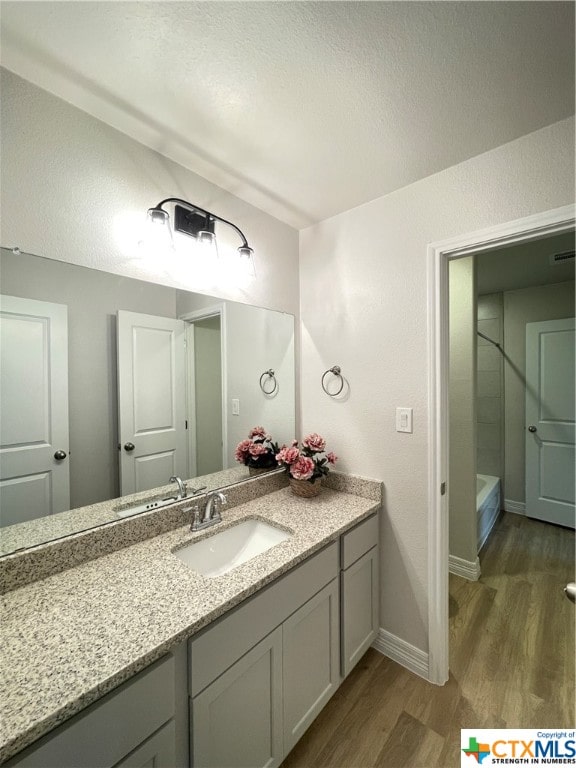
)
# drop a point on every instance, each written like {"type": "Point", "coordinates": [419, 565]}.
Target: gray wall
{"type": "Point", "coordinates": [528, 305]}
{"type": "Point", "coordinates": [208, 385]}
{"type": "Point", "coordinates": [92, 298]}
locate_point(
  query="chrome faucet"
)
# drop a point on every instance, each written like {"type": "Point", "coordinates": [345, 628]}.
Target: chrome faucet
{"type": "Point", "coordinates": [182, 492]}
{"type": "Point", "coordinates": [211, 516]}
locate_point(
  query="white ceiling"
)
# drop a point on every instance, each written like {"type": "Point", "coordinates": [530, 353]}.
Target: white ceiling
{"type": "Point", "coordinates": [304, 109]}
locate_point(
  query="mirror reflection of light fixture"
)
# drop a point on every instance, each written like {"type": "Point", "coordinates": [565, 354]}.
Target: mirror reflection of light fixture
{"type": "Point", "coordinates": [194, 221]}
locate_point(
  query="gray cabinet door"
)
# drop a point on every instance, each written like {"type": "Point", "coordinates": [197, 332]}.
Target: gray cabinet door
{"type": "Point", "coordinates": [359, 609]}
{"type": "Point", "coordinates": [311, 652]}
{"type": "Point", "coordinates": [156, 752]}
{"type": "Point", "coordinates": [237, 720]}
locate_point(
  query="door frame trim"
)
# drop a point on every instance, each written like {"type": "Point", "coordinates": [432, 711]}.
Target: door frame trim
{"type": "Point", "coordinates": [439, 254]}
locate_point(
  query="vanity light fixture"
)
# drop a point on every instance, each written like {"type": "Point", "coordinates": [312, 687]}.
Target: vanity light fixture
{"type": "Point", "coordinates": [195, 222]}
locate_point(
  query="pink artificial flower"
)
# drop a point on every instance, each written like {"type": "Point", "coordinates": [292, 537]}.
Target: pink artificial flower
{"type": "Point", "coordinates": [294, 442]}
{"type": "Point", "coordinates": [332, 458]}
{"type": "Point", "coordinates": [257, 449]}
{"type": "Point", "coordinates": [314, 442]}
{"type": "Point", "coordinates": [241, 450]}
{"type": "Point", "coordinates": [303, 469]}
{"type": "Point", "coordinates": [287, 455]}
{"type": "Point", "coordinates": [257, 432]}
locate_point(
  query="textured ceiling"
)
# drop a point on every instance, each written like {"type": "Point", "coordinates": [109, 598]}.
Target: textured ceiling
{"type": "Point", "coordinates": [304, 109]}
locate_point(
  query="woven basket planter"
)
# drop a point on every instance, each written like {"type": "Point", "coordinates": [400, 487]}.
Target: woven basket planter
{"type": "Point", "coordinates": [305, 488]}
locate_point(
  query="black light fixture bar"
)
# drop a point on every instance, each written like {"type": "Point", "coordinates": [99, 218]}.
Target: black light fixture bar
{"type": "Point", "coordinates": [208, 218]}
{"type": "Point", "coordinates": [191, 222]}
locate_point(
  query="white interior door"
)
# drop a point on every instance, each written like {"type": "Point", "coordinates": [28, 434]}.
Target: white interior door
{"type": "Point", "coordinates": [34, 463]}
{"type": "Point", "coordinates": [152, 400]}
{"type": "Point", "coordinates": [550, 421]}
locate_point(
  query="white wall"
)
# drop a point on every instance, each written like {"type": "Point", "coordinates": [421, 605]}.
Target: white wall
{"type": "Point", "coordinates": [256, 340]}
{"type": "Point", "coordinates": [269, 344]}
{"type": "Point", "coordinates": [364, 307]}
{"type": "Point", "coordinates": [527, 305]}
{"type": "Point", "coordinates": [462, 404]}
{"type": "Point", "coordinates": [77, 190]}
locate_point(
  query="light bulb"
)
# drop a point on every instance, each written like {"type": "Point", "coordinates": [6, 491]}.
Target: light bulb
{"type": "Point", "coordinates": [158, 234]}
{"type": "Point", "coordinates": [246, 255]}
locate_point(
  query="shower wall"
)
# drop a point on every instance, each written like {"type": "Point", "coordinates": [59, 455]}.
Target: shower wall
{"type": "Point", "coordinates": [490, 387]}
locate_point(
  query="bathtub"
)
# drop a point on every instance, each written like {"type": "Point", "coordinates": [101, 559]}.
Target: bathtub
{"type": "Point", "coordinates": [487, 505]}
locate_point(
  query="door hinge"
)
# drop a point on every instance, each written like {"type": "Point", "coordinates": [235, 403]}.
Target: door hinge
{"type": "Point", "coordinates": [186, 424]}
{"type": "Point", "coordinates": [442, 489]}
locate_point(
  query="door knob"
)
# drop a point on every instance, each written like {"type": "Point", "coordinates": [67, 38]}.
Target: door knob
{"type": "Point", "coordinates": [532, 428]}
{"type": "Point", "coordinates": [59, 455]}
{"type": "Point", "coordinates": [129, 446]}
{"type": "Point", "coordinates": [570, 592]}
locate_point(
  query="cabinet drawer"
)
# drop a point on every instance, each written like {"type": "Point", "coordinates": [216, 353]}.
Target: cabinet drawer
{"type": "Point", "coordinates": [111, 728]}
{"type": "Point", "coordinates": [218, 647]}
{"type": "Point", "coordinates": [359, 540]}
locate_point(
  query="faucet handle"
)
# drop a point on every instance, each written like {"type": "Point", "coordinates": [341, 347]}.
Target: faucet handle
{"type": "Point", "coordinates": [195, 491]}
{"type": "Point", "coordinates": [195, 519]}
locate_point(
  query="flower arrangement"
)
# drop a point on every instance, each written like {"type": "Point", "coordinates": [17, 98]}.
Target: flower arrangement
{"type": "Point", "coordinates": [307, 463]}
{"type": "Point", "coordinates": [258, 451]}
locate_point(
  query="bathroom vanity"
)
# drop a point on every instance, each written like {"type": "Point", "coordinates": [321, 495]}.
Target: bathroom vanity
{"type": "Point", "coordinates": [135, 659]}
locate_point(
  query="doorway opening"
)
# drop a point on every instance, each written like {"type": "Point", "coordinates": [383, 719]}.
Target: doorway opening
{"type": "Point", "coordinates": [532, 228]}
{"type": "Point", "coordinates": [511, 391]}
{"type": "Point", "coordinates": [204, 395]}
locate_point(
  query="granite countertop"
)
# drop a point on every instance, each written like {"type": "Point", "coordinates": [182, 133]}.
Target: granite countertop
{"type": "Point", "coordinates": [71, 638]}
{"type": "Point", "coordinates": [45, 529]}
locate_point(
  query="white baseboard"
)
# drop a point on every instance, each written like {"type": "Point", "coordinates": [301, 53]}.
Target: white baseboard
{"type": "Point", "coordinates": [403, 653]}
{"type": "Point", "coordinates": [517, 507]}
{"type": "Point", "coordinates": [468, 569]}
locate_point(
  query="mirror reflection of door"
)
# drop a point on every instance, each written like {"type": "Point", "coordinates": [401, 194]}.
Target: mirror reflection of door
{"type": "Point", "coordinates": [151, 401]}
{"type": "Point", "coordinates": [34, 462]}
{"type": "Point", "coordinates": [170, 399]}
{"type": "Point", "coordinates": [204, 347]}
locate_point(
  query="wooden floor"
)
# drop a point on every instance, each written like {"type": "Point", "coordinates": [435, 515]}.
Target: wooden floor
{"type": "Point", "coordinates": [511, 665]}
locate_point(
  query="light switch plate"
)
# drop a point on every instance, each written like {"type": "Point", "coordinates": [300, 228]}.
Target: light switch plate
{"type": "Point", "coordinates": [235, 407]}
{"type": "Point", "coordinates": [403, 419]}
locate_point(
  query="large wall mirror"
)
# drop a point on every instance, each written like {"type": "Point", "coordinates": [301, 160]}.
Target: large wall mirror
{"type": "Point", "coordinates": [112, 385]}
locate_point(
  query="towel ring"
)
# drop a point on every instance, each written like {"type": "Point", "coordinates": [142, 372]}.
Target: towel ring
{"type": "Point", "coordinates": [337, 371]}
{"type": "Point", "coordinates": [270, 374]}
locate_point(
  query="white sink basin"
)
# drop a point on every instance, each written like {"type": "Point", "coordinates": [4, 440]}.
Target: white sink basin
{"type": "Point", "coordinates": [224, 550]}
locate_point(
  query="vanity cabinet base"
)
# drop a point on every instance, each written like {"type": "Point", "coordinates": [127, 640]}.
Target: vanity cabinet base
{"type": "Point", "coordinates": [237, 720]}
{"type": "Point", "coordinates": [310, 660]}
{"type": "Point", "coordinates": [110, 730]}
